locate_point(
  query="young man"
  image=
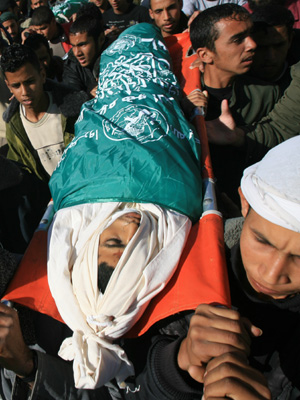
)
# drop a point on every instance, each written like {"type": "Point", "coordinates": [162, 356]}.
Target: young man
{"type": "Point", "coordinates": [221, 37]}
{"type": "Point", "coordinates": [40, 121]}
{"type": "Point", "coordinates": [123, 14]}
{"type": "Point", "coordinates": [222, 350]}
{"type": "Point", "coordinates": [87, 40]}
{"type": "Point", "coordinates": [168, 17]}
{"type": "Point", "coordinates": [273, 34]}
{"type": "Point", "coordinates": [43, 22]}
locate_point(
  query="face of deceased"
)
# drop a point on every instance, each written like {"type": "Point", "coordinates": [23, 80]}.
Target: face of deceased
{"type": "Point", "coordinates": [114, 239]}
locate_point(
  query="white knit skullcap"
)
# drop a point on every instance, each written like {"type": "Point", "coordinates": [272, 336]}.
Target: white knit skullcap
{"type": "Point", "coordinates": [272, 186]}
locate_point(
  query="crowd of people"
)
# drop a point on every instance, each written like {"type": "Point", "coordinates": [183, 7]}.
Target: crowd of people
{"type": "Point", "coordinates": [93, 116]}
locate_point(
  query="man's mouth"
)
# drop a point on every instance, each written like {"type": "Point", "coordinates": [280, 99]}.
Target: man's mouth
{"type": "Point", "coordinates": [168, 25]}
{"type": "Point", "coordinates": [248, 60]}
{"type": "Point", "coordinates": [27, 102]}
{"type": "Point", "coordinates": [265, 290]}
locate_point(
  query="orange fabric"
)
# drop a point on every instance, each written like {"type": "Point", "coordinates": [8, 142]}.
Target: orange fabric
{"type": "Point", "coordinates": [201, 276]}
{"type": "Point", "coordinates": [29, 286]}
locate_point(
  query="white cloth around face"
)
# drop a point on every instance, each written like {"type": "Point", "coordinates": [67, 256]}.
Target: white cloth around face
{"type": "Point", "coordinates": [272, 186]}
{"type": "Point", "coordinates": [148, 262]}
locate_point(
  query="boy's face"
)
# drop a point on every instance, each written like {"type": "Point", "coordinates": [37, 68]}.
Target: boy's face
{"type": "Point", "coordinates": [47, 29]}
{"type": "Point", "coordinates": [115, 238]}
{"type": "Point", "coordinates": [271, 256]}
{"type": "Point", "coordinates": [26, 84]}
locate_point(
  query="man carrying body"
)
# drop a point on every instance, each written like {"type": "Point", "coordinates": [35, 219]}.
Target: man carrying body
{"type": "Point", "coordinates": [87, 40]}
{"type": "Point", "coordinates": [40, 123]}
{"type": "Point", "coordinates": [263, 268]}
{"type": "Point", "coordinates": [221, 37]}
{"type": "Point", "coordinates": [168, 17]}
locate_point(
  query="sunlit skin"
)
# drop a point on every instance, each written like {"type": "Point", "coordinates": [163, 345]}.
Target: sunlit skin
{"type": "Point", "coordinates": [26, 84]}
{"type": "Point", "coordinates": [38, 3]}
{"type": "Point", "coordinates": [273, 45]}
{"type": "Point", "coordinates": [85, 49]}
{"type": "Point", "coordinates": [47, 30]}
{"type": "Point", "coordinates": [114, 239]}
{"type": "Point", "coordinates": [119, 6]}
{"type": "Point", "coordinates": [271, 256]}
{"type": "Point", "coordinates": [12, 27]}
{"type": "Point", "coordinates": [166, 15]}
{"type": "Point", "coordinates": [233, 53]}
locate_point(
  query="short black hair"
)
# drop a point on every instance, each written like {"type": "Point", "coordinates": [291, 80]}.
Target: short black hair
{"type": "Point", "coordinates": [92, 26]}
{"type": "Point", "coordinates": [35, 41]}
{"type": "Point", "coordinates": [17, 55]}
{"type": "Point", "coordinates": [89, 9]}
{"type": "Point", "coordinates": [272, 15]}
{"type": "Point", "coordinates": [42, 15]}
{"type": "Point", "coordinates": [254, 4]}
{"type": "Point", "coordinates": [203, 32]}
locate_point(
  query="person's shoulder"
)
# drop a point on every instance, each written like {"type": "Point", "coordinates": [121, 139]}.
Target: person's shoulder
{"type": "Point", "coordinates": [295, 71]}
{"type": "Point", "coordinates": [108, 13]}
{"type": "Point", "coordinates": [70, 59]}
{"type": "Point", "coordinates": [11, 111]}
{"type": "Point", "coordinates": [253, 82]}
{"type": "Point", "coordinates": [66, 98]}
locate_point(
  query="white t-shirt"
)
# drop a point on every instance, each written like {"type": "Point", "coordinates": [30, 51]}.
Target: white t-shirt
{"type": "Point", "coordinates": [189, 6]}
{"type": "Point", "coordinates": [46, 135]}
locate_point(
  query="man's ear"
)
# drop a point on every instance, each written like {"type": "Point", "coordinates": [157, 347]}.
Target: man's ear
{"type": "Point", "coordinates": [244, 203]}
{"type": "Point", "coordinates": [7, 84]}
{"type": "Point", "coordinates": [43, 74]}
{"type": "Point", "coordinates": [101, 40]}
{"type": "Point", "coordinates": [151, 13]}
{"type": "Point", "coordinates": [205, 55]}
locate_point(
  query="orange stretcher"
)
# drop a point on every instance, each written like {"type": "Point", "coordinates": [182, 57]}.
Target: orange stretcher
{"type": "Point", "coordinates": [201, 276]}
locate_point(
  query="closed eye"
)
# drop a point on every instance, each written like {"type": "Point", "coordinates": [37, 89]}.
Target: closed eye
{"type": "Point", "coordinates": [114, 243]}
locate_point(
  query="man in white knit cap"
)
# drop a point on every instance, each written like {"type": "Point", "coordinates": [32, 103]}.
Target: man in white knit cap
{"type": "Point", "coordinates": [264, 280]}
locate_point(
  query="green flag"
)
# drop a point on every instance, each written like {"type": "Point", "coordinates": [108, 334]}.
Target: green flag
{"type": "Point", "coordinates": [132, 142]}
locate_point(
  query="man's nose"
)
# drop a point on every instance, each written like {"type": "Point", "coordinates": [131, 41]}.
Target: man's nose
{"type": "Point", "coordinates": [76, 51]}
{"type": "Point", "coordinates": [24, 90]}
{"type": "Point", "coordinates": [166, 14]}
{"type": "Point", "coordinates": [250, 44]}
{"type": "Point", "coordinates": [275, 273]}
